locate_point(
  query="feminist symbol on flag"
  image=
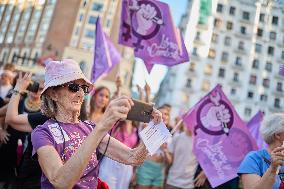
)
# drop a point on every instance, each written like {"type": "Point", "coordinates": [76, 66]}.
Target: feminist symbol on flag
{"type": "Point", "coordinates": [146, 19]}
{"type": "Point", "coordinates": [214, 116]}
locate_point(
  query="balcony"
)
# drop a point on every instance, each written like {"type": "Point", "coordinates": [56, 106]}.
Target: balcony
{"type": "Point", "coordinates": [240, 51]}
{"type": "Point", "coordinates": [238, 66]}
{"type": "Point", "coordinates": [244, 36]}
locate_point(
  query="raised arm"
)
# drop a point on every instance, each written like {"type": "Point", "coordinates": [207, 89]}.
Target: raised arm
{"type": "Point", "coordinates": [123, 154]}
{"type": "Point", "coordinates": [13, 118]}
{"type": "Point", "coordinates": [67, 175]}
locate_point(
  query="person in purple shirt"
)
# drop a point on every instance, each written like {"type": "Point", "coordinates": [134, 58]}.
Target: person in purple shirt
{"type": "Point", "coordinates": [65, 146]}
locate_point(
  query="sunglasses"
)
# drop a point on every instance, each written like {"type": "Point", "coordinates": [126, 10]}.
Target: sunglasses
{"type": "Point", "coordinates": [74, 87]}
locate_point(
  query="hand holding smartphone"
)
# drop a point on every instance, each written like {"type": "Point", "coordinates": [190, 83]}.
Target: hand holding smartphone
{"type": "Point", "coordinates": [141, 112]}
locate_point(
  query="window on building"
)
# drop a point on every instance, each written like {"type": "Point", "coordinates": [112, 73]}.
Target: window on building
{"type": "Point", "coordinates": [205, 85]}
{"type": "Point", "coordinates": [83, 66]}
{"type": "Point", "coordinates": [217, 23]}
{"type": "Point", "coordinates": [255, 64]}
{"type": "Point", "coordinates": [250, 94]}
{"type": "Point", "coordinates": [92, 19]}
{"type": "Point", "coordinates": [108, 23]}
{"type": "Point", "coordinates": [282, 55]}
{"type": "Point", "coordinates": [188, 83]}
{"type": "Point", "coordinates": [259, 32]}
{"type": "Point", "coordinates": [265, 83]}
{"type": "Point", "coordinates": [261, 17]}
{"type": "Point", "coordinates": [197, 37]}
{"type": "Point", "coordinates": [233, 91]}
{"type": "Point", "coordinates": [246, 15]}
{"type": "Point", "coordinates": [227, 41]}
{"type": "Point", "coordinates": [253, 79]}
{"type": "Point", "coordinates": [212, 54]}
{"type": "Point", "coordinates": [277, 103]}
{"type": "Point", "coordinates": [229, 25]}
{"type": "Point", "coordinates": [232, 10]}
{"type": "Point", "coordinates": [208, 69]}
{"type": "Point", "coordinates": [221, 73]}
{"type": "Point", "coordinates": [77, 30]}
{"type": "Point", "coordinates": [268, 66]}
{"type": "Point", "coordinates": [81, 17]}
{"type": "Point", "coordinates": [225, 57]}
{"type": "Point", "coordinates": [248, 112]}
{"type": "Point", "coordinates": [90, 33]}
{"type": "Point", "coordinates": [220, 8]}
{"type": "Point", "coordinates": [97, 6]}
{"type": "Point", "coordinates": [194, 51]}
{"type": "Point", "coordinates": [272, 35]}
{"type": "Point", "coordinates": [214, 38]}
{"type": "Point", "coordinates": [238, 61]}
{"type": "Point", "coordinates": [236, 77]}
{"type": "Point", "coordinates": [270, 51]}
{"type": "Point", "coordinates": [241, 46]}
{"type": "Point", "coordinates": [279, 87]}
{"type": "Point", "coordinates": [192, 67]}
{"type": "Point", "coordinates": [275, 20]}
{"type": "Point", "coordinates": [243, 30]}
{"type": "Point", "coordinates": [263, 98]}
{"type": "Point", "coordinates": [258, 48]}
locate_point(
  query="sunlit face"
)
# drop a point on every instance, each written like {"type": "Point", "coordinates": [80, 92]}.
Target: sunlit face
{"type": "Point", "coordinates": [102, 98]}
{"type": "Point", "coordinates": [68, 100]}
{"type": "Point", "coordinates": [165, 115]}
{"type": "Point", "coordinates": [5, 79]}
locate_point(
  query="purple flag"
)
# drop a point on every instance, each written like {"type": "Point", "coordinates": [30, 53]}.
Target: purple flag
{"type": "Point", "coordinates": [281, 69]}
{"type": "Point", "coordinates": [221, 138]}
{"type": "Point", "coordinates": [106, 55]}
{"type": "Point", "coordinates": [254, 126]}
{"type": "Point", "coordinates": [147, 26]}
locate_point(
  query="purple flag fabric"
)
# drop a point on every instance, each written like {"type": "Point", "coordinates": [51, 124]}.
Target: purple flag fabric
{"type": "Point", "coordinates": [254, 126]}
{"type": "Point", "coordinates": [147, 26]}
{"type": "Point", "coordinates": [281, 69]}
{"type": "Point", "coordinates": [221, 138]}
{"type": "Point", "coordinates": [106, 55]}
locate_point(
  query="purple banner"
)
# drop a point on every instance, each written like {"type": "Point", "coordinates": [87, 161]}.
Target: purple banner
{"type": "Point", "coordinates": [147, 26]}
{"type": "Point", "coordinates": [106, 55]}
{"type": "Point", "coordinates": [221, 138]}
{"type": "Point", "coordinates": [254, 126]}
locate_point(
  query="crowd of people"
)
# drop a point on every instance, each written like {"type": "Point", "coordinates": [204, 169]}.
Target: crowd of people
{"type": "Point", "coordinates": [70, 134]}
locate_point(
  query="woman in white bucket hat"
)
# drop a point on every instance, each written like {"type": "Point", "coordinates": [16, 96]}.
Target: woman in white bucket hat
{"type": "Point", "coordinates": [65, 146]}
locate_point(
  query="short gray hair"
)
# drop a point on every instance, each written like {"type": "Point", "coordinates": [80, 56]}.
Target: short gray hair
{"type": "Point", "coordinates": [274, 124]}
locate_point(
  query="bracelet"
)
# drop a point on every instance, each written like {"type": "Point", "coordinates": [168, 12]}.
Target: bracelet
{"type": "Point", "coordinates": [16, 92]}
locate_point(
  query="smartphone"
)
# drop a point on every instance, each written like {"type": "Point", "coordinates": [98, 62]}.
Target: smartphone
{"type": "Point", "coordinates": [33, 86]}
{"type": "Point", "coordinates": [141, 112]}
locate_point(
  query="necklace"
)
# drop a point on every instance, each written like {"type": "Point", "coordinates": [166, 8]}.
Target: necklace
{"type": "Point", "coordinates": [31, 106]}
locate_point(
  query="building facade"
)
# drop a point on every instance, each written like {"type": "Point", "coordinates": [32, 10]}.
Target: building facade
{"type": "Point", "coordinates": [30, 29]}
{"type": "Point", "coordinates": [241, 47]}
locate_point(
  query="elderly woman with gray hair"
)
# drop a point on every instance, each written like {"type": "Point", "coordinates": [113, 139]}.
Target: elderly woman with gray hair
{"type": "Point", "coordinates": [66, 146]}
{"type": "Point", "coordinates": [262, 169]}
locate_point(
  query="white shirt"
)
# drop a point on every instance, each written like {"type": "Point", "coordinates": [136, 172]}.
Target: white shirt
{"type": "Point", "coordinates": [181, 173]}
{"type": "Point", "coordinates": [4, 90]}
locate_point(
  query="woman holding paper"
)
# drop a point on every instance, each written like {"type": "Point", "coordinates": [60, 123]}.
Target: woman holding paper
{"type": "Point", "coordinates": [65, 146]}
{"type": "Point", "coordinates": [262, 169]}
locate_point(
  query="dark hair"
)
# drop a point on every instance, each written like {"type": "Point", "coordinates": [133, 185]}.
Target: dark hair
{"type": "Point", "coordinates": [93, 98]}
{"type": "Point", "coordinates": [165, 106]}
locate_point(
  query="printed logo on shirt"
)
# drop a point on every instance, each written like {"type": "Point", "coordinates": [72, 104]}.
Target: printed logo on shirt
{"type": "Point", "coordinates": [56, 132]}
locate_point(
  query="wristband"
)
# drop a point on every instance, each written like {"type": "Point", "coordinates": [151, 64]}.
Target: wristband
{"type": "Point", "coordinates": [16, 92]}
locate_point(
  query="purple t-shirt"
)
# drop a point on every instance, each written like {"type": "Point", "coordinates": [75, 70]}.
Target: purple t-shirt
{"type": "Point", "coordinates": [74, 135]}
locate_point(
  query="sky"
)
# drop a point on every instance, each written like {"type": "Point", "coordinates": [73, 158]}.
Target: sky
{"type": "Point", "coordinates": [141, 75]}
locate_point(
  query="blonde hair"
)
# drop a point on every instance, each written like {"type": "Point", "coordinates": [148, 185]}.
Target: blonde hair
{"type": "Point", "coordinates": [48, 106]}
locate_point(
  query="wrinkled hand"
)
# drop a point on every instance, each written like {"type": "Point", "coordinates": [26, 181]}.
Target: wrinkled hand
{"type": "Point", "coordinates": [200, 179]}
{"type": "Point", "coordinates": [216, 116]}
{"type": "Point", "coordinates": [144, 18]}
{"type": "Point", "coordinates": [115, 111]}
{"type": "Point", "coordinates": [4, 136]}
{"type": "Point", "coordinates": [147, 88]}
{"type": "Point", "coordinates": [23, 82]}
{"type": "Point", "coordinates": [277, 158]}
{"type": "Point", "coordinates": [118, 82]}
{"type": "Point", "coordinates": [139, 154]}
{"type": "Point", "coordinates": [157, 116]}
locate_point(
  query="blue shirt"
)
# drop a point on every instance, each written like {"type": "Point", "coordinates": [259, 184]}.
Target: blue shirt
{"type": "Point", "coordinates": [254, 164]}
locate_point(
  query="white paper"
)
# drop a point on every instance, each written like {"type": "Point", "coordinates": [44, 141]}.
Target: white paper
{"type": "Point", "coordinates": [154, 136]}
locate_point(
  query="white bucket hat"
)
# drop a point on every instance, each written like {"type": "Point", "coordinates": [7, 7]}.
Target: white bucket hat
{"type": "Point", "coordinates": [61, 72]}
